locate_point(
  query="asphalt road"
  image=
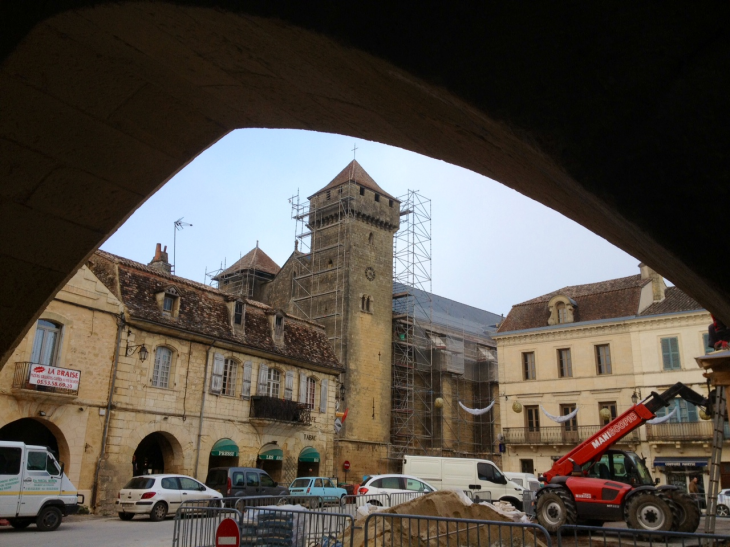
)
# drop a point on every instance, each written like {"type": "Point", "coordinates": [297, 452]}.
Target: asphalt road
{"type": "Point", "coordinates": [88, 531]}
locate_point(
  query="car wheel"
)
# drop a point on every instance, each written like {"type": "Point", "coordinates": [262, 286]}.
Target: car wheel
{"type": "Point", "coordinates": [48, 519]}
{"type": "Point", "coordinates": [722, 511]}
{"type": "Point", "coordinates": [126, 516]}
{"type": "Point", "coordinates": [159, 511]}
{"type": "Point", "coordinates": [20, 524]}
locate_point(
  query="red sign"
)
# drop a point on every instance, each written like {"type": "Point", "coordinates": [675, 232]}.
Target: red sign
{"type": "Point", "coordinates": [43, 375]}
{"type": "Point", "coordinates": [227, 534]}
{"type": "Point", "coordinates": [346, 465]}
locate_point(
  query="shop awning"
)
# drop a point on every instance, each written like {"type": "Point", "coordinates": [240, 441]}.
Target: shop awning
{"type": "Point", "coordinates": [309, 454]}
{"type": "Point", "coordinates": [224, 447]}
{"type": "Point", "coordinates": [680, 462]}
{"type": "Point", "coordinates": [271, 452]}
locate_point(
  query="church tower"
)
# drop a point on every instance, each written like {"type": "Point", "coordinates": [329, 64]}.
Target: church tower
{"type": "Point", "coordinates": [344, 280]}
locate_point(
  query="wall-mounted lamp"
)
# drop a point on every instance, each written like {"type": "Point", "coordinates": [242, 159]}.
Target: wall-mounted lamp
{"type": "Point", "coordinates": [129, 350]}
{"type": "Point", "coordinates": [636, 395]}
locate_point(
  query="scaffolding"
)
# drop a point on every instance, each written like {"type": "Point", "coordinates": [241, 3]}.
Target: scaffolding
{"type": "Point", "coordinates": [442, 355]}
{"type": "Point", "coordinates": [318, 283]}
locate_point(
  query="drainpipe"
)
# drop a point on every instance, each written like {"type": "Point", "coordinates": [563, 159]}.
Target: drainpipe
{"type": "Point", "coordinates": [202, 409]}
{"type": "Point", "coordinates": [95, 490]}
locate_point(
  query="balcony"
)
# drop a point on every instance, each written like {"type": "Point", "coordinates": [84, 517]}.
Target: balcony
{"type": "Point", "coordinates": [557, 435]}
{"type": "Point", "coordinates": [64, 382]}
{"type": "Point", "coordinates": [280, 410]}
{"type": "Point", "coordinates": [687, 431]}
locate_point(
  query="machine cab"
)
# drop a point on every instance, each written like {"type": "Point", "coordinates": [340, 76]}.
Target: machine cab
{"type": "Point", "coordinates": [619, 466]}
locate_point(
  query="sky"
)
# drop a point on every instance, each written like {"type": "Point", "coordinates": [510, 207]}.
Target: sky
{"type": "Point", "coordinates": [491, 246]}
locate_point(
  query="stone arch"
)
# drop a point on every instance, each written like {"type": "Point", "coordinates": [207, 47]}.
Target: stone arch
{"type": "Point", "coordinates": [41, 432]}
{"type": "Point", "coordinates": [173, 454]}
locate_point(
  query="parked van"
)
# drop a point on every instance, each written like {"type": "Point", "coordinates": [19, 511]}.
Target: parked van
{"type": "Point", "coordinates": [479, 476]}
{"type": "Point", "coordinates": [243, 481]}
{"type": "Point", "coordinates": [528, 481]}
{"type": "Point", "coordinates": [34, 488]}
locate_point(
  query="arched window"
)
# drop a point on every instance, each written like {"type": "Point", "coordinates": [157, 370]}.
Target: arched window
{"type": "Point", "coordinates": [311, 386]}
{"type": "Point", "coordinates": [368, 304]}
{"type": "Point", "coordinates": [363, 303]}
{"type": "Point", "coordinates": [562, 312]}
{"type": "Point", "coordinates": [370, 238]}
{"type": "Point", "coordinates": [273, 383]}
{"type": "Point", "coordinates": [46, 342]}
{"type": "Point", "coordinates": [161, 370]}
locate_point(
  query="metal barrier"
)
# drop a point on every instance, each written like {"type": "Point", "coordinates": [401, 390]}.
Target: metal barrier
{"type": "Point", "coordinates": [529, 502]}
{"type": "Point", "coordinates": [349, 504]}
{"type": "Point", "coordinates": [196, 523]}
{"type": "Point", "coordinates": [396, 498]}
{"type": "Point", "coordinates": [571, 535]}
{"type": "Point", "coordinates": [288, 528]}
{"type": "Point", "coordinates": [388, 530]}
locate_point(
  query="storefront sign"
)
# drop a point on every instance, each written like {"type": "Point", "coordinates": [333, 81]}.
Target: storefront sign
{"type": "Point", "coordinates": [64, 378]}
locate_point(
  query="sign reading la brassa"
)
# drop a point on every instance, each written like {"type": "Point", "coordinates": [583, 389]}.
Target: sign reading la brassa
{"type": "Point", "coordinates": [64, 378]}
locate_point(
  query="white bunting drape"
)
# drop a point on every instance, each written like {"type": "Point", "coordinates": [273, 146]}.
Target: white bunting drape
{"type": "Point", "coordinates": [477, 411]}
{"type": "Point", "coordinates": [560, 419]}
{"type": "Point", "coordinates": [662, 419]}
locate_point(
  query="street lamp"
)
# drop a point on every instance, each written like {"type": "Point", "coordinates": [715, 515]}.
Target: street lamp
{"type": "Point", "coordinates": [636, 396]}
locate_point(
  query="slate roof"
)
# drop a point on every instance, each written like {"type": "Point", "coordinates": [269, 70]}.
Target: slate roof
{"type": "Point", "coordinates": [255, 259]}
{"type": "Point", "coordinates": [203, 311]}
{"type": "Point", "coordinates": [354, 172]}
{"type": "Point", "coordinates": [609, 299]}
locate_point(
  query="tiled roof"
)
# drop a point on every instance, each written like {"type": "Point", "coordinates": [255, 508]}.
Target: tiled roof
{"type": "Point", "coordinates": [603, 300]}
{"type": "Point", "coordinates": [354, 172]}
{"type": "Point", "coordinates": [674, 301]}
{"type": "Point", "coordinates": [203, 311]}
{"type": "Point", "coordinates": [255, 259]}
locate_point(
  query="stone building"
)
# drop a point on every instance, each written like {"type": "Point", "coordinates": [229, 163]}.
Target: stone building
{"type": "Point", "coordinates": [174, 375]}
{"type": "Point", "coordinates": [604, 346]}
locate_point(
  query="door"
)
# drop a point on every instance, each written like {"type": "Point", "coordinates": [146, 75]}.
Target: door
{"type": "Point", "coordinates": [267, 485]}
{"type": "Point", "coordinates": [171, 493]}
{"type": "Point", "coordinates": [489, 474]}
{"type": "Point", "coordinates": [238, 484]}
{"type": "Point", "coordinates": [192, 490]}
{"type": "Point", "coordinates": [38, 483]}
{"type": "Point", "coordinates": [10, 459]}
{"type": "Point", "coordinates": [253, 488]}
{"type": "Point", "coordinates": [318, 487]}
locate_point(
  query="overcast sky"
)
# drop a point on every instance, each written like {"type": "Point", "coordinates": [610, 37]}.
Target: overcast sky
{"type": "Point", "coordinates": [492, 247]}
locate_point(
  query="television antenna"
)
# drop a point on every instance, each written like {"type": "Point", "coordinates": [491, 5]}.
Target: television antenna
{"type": "Point", "coordinates": [179, 225]}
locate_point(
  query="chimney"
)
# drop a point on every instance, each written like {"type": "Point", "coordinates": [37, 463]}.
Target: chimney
{"type": "Point", "coordinates": [658, 287]}
{"type": "Point", "coordinates": [160, 261]}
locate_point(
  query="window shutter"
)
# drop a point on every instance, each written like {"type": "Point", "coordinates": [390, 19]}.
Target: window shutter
{"type": "Point", "coordinates": [263, 379]}
{"type": "Point", "coordinates": [302, 388]}
{"type": "Point", "coordinates": [289, 386]}
{"type": "Point", "coordinates": [216, 379]}
{"type": "Point", "coordinates": [246, 389]}
{"type": "Point", "coordinates": [323, 397]}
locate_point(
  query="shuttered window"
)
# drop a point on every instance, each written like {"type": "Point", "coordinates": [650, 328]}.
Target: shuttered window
{"type": "Point", "coordinates": [273, 385]}
{"type": "Point", "coordinates": [289, 386]}
{"type": "Point", "coordinates": [230, 370]}
{"type": "Point", "coordinates": [311, 386]}
{"type": "Point", "coordinates": [302, 388]}
{"type": "Point", "coordinates": [323, 397]}
{"type": "Point", "coordinates": [216, 378]}
{"type": "Point", "coordinates": [670, 353]}
{"type": "Point", "coordinates": [263, 379]}
{"type": "Point", "coordinates": [247, 372]}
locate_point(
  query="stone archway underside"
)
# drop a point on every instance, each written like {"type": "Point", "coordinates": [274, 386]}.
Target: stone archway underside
{"type": "Point", "coordinates": [617, 118]}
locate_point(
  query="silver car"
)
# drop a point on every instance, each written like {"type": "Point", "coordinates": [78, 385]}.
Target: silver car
{"type": "Point", "coordinates": [723, 503]}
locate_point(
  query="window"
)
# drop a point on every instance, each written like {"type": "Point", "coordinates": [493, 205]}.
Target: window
{"type": "Point", "coordinates": [603, 359]}
{"type": "Point", "coordinates": [279, 325]}
{"type": "Point", "coordinates": [377, 197]}
{"type": "Point", "coordinates": [170, 483]}
{"type": "Point", "coordinates": [415, 485]}
{"type": "Point", "coordinates": [706, 343]}
{"type": "Point", "coordinates": [161, 370]}
{"type": "Point", "coordinates": [51, 466]}
{"type": "Point", "coordinates": [247, 373]}
{"type": "Point", "coordinates": [238, 314]}
{"type": "Point", "coordinates": [370, 238]}
{"type": "Point", "coordinates": [487, 472]}
{"type": "Point", "coordinates": [362, 191]}
{"type": "Point", "coordinates": [572, 424]}
{"type": "Point", "coordinates": [273, 383]}
{"type": "Point", "coordinates": [562, 312]}
{"type": "Point", "coordinates": [229, 377]}
{"type": "Point", "coordinates": [565, 366]}
{"type": "Point", "coordinates": [36, 461]}
{"type": "Point", "coordinates": [168, 304]}
{"type": "Point", "coordinates": [45, 344]}
{"type": "Point", "coordinates": [311, 386]}
{"type": "Point", "coordinates": [611, 406]}
{"type": "Point", "coordinates": [252, 479]}
{"type": "Point", "coordinates": [528, 366]}
{"type": "Point", "coordinates": [9, 460]}
{"type": "Point", "coordinates": [532, 423]}
{"type": "Point", "coordinates": [686, 412]}
{"type": "Point", "coordinates": [390, 203]}
{"type": "Point", "coordinates": [670, 353]}
{"type": "Point", "coordinates": [328, 195]}
{"type": "Point", "coordinates": [366, 303]}
{"type": "Point", "coordinates": [186, 483]}
{"type": "Point", "coordinates": [318, 483]}
{"type": "Point", "coordinates": [391, 482]}
{"type": "Point", "coordinates": [527, 466]}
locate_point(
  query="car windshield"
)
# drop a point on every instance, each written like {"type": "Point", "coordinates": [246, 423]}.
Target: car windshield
{"type": "Point", "coordinates": [300, 483]}
{"type": "Point", "coordinates": [139, 483]}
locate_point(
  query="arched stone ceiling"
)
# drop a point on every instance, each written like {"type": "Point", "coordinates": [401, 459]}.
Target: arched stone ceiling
{"type": "Point", "coordinates": [615, 114]}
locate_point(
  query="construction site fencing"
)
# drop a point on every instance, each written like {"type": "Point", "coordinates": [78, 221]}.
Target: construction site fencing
{"type": "Point", "coordinates": [295, 528]}
{"type": "Point", "coordinates": [396, 498]}
{"type": "Point", "coordinates": [388, 530]}
{"type": "Point", "coordinates": [196, 523]}
{"type": "Point", "coordinates": [572, 535]}
{"type": "Point", "coordinates": [529, 502]}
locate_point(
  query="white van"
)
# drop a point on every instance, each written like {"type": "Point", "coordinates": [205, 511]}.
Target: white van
{"type": "Point", "coordinates": [34, 488]}
{"type": "Point", "coordinates": [528, 481]}
{"type": "Point", "coordinates": [479, 476]}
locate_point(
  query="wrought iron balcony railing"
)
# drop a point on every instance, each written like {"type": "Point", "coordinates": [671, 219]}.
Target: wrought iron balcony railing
{"type": "Point", "coordinates": [556, 435]}
{"type": "Point", "coordinates": [282, 410]}
{"type": "Point", "coordinates": [21, 380]}
{"type": "Point", "coordinates": [685, 431]}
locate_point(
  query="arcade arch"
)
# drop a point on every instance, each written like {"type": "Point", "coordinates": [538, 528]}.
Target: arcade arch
{"type": "Point", "coordinates": [39, 432]}
{"type": "Point", "coordinates": [158, 452]}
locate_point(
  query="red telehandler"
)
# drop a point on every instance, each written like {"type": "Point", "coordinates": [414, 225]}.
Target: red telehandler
{"type": "Point", "coordinates": [593, 484]}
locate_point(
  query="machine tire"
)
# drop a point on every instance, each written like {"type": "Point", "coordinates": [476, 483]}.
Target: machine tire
{"type": "Point", "coordinates": [126, 516]}
{"type": "Point", "coordinates": [688, 513]}
{"type": "Point", "coordinates": [49, 519]}
{"type": "Point", "coordinates": [159, 511]}
{"type": "Point", "coordinates": [555, 508]}
{"type": "Point", "coordinates": [650, 512]}
{"type": "Point", "coordinates": [722, 511]}
{"type": "Point", "coordinates": [20, 524]}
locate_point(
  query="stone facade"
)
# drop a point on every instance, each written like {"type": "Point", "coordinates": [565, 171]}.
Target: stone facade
{"type": "Point", "coordinates": [650, 334]}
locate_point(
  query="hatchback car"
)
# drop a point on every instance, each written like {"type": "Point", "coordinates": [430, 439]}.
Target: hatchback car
{"type": "Point", "coordinates": [323, 487]}
{"type": "Point", "coordinates": [723, 503]}
{"type": "Point", "coordinates": [394, 484]}
{"type": "Point", "coordinates": [159, 495]}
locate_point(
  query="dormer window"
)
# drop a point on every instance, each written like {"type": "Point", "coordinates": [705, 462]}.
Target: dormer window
{"type": "Point", "coordinates": [279, 325]}
{"type": "Point", "coordinates": [562, 310]}
{"type": "Point", "coordinates": [169, 302]}
{"type": "Point", "coordinates": [238, 313]}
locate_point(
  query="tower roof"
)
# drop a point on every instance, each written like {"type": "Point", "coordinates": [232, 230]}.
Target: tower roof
{"type": "Point", "coordinates": [255, 259]}
{"type": "Point", "coordinates": [355, 173]}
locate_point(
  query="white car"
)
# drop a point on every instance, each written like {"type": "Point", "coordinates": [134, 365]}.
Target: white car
{"type": "Point", "coordinates": [405, 485]}
{"type": "Point", "coordinates": [723, 503]}
{"type": "Point", "coordinates": [160, 495]}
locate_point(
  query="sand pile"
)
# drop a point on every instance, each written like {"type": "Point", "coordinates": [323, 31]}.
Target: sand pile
{"type": "Point", "coordinates": [394, 532]}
